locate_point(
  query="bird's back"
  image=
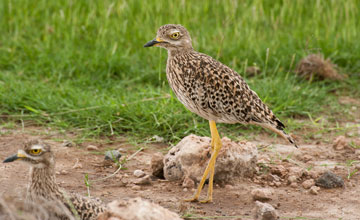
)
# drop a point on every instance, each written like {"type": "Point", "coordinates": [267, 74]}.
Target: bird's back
{"type": "Point", "coordinates": [214, 91]}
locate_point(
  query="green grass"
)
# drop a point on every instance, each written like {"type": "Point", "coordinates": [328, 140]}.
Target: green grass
{"type": "Point", "coordinates": [80, 65]}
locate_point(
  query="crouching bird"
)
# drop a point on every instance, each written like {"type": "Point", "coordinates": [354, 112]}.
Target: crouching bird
{"type": "Point", "coordinates": [211, 90]}
{"type": "Point", "coordinates": [43, 187]}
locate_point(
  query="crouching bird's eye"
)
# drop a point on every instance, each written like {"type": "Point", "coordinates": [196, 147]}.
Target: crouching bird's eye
{"type": "Point", "coordinates": [35, 151]}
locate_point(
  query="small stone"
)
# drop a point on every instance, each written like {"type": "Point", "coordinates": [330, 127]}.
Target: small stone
{"type": "Point", "coordinates": [67, 143]}
{"type": "Point", "coordinates": [157, 165]}
{"type": "Point", "coordinates": [340, 143]}
{"type": "Point", "coordinates": [292, 179]}
{"type": "Point", "coordinates": [264, 211]}
{"type": "Point", "coordinates": [135, 187]}
{"type": "Point", "coordinates": [296, 171]}
{"type": "Point", "coordinates": [185, 189]}
{"type": "Point", "coordinates": [143, 181]}
{"type": "Point", "coordinates": [139, 173]}
{"type": "Point", "coordinates": [92, 148]}
{"type": "Point", "coordinates": [279, 170]}
{"type": "Point", "coordinates": [113, 155]}
{"type": "Point", "coordinates": [77, 166]}
{"type": "Point", "coordinates": [277, 184]}
{"type": "Point", "coordinates": [314, 190]}
{"type": "Point", "coordinates": [307, 184]}
{"type": "Point", "coordinates": [188, 182]}
{"type": "Point", "coordinates": [329, 180]}
{"type": "Point", "coordinates": [63, 172]}
{"type": "Point", "coordinates": [262, 194]}
{"type": "Point", "coordinates": [229, 187]}
{"type": "Point", "coordinates": [293, 185]}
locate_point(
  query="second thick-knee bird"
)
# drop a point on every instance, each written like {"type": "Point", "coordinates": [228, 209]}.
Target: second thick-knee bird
{"type": "Point", "coordinates": [43, 187]}
{"type": "Point", "coordinates": [212, 90]}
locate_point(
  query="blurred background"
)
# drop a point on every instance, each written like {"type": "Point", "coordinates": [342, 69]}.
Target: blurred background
{"type": "Point", "coordinates": [80, 65]}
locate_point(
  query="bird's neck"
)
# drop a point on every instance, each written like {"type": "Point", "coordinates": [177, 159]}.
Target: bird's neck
{"type": "Point", "coordinates": [172, 52]}
{"type": "Point", "coordinates": [43, 183]}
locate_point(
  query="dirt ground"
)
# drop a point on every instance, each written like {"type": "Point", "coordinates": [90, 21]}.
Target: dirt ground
{"type": "Point", "coordinates": [232, 201]}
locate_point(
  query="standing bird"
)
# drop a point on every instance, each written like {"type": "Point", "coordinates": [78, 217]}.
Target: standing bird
{"type": "Point", "coordinates": [43, 186]}
{"type": "Point", "coordinates": [211, 90]}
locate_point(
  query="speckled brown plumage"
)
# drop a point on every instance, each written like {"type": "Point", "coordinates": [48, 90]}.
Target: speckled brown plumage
{"type": "Point", "coordinates": [43, 183]}
{"type": "Point", "coordinates": [209, 88]}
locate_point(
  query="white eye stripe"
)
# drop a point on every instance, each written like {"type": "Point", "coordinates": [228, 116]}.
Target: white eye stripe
{"type": "Point", "coordinates": [36, 147]}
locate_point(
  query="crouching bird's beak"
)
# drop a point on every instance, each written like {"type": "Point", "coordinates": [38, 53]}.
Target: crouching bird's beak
{"type": "Point", "coordinates": [14, 157]}
{"type": "Point", "coordinates": [153, 42]}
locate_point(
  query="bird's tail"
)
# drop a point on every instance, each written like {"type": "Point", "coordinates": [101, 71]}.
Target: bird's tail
{"type": "Point", "coordinates": [278, 128]}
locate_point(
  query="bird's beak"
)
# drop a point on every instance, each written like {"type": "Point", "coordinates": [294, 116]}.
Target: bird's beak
{"type": "Point", "coordinates": [14, 157]}
{"type": "Point", "coordinates": [153, 42]}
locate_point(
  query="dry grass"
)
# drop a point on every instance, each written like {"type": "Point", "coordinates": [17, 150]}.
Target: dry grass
{"type": "Point", "coordinates": [314, 66]}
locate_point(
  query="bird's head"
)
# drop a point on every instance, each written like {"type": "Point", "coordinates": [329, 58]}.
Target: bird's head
{"type": "Point", "coordinates": [35, 153]}
{"type": "Point", "coordinates": [171, 37]}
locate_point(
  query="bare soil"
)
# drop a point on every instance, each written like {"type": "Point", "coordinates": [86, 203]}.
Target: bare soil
{"type": "Point", "coordinates": [232, 201]}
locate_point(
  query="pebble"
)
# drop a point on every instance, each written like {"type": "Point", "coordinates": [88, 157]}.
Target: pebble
{"type": "Point", "coordinates": [67, 143]}
{"type": "Point", "coordinates": [307, 184]}
{"type": "Point", "coordinates": [139, 173]}
{"type": "Point", "coordinates": [185, 189]}
{"type": "Point", "coordinates": [113, 155]}
{"type": "Point", "coordinates": [292, 179]}
{"type": "Point", "coordinates": [262, 194]}
{"type": "Point", "coordinates": [92, 148]}
{"type": "Point", "coordinates": [279, 170]}
{"type": "Point", "coordinates": [143, 181]}
{"type": "Point", "coordinates": [264, 211]}
{"type": "Point", "coordinates": [135, 187]}
{"type": "Point", "coordinates": [329, 180]}
{"type": "Point", "coordinates": [314, 190]}
{"type": "Point", "coordinates": [277, 184]}
{"type": "Point", "coordinates": [63, 172]}
{"type": "Point", "coordinates": [296, 171]}
{"type": "Point", "coordinates": [340, 143]}
{"type": "Point", "coordinates": [188, 182]}
{"type": "Point", "coordinates": [294, 185]}
{"type": "Point", "coordinates": [229, 187]}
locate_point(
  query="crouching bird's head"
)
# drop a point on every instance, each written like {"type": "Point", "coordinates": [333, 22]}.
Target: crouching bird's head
{"type": "Point", "coordinates": [35, 153]}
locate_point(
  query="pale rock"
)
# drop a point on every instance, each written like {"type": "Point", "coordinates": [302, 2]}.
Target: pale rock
{"type": "Point", "coordinates": [294, 185]}
{"type": "Point", "coordinates": [264, 211]}
{"type": "Point", "coordinates": [262, 194]}
{"type": "Point", "coordinates": [188, 183]}
{"type": "Point", "coordinates": [296, 171]}
{"type": "Point", "coordinates": [92, 148]}
{"type": "Point", "coordinates": [190, 157]}
{"type": "Point", "coordinates": [143, 181]}
{"type": "Point", "coordinates": [279, 170]}
{"type": "Point", "coordinates": [307, 184]}
{"type": "Point", "coordinates": [136, 209]}
{"type": "Point", "coordinates": [340, 143]}
{"type": "Point", "coordinates": [292, 179]}
{"type": "Point", "coordinates": [314, 190]}
{"type": "Point", "coordinates": [139, 173]}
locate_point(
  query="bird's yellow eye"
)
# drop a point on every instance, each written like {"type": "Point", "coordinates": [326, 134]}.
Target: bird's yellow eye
{"type": "Point", "coordinates": [175, 35]}
{"type": "Point", "coordinates": [35, 151]}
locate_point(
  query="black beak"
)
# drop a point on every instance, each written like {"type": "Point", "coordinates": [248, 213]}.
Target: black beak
{"type": "Point", "coordinates": [151, 43]}
{"type": "Point", "coordinates": [11, 159]}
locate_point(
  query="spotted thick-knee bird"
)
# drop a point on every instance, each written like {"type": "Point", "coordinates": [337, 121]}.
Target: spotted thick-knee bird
{"type": "Point", "coordinates": [211, 90]}
{"type": "Point", "coordinates": [43, 187]}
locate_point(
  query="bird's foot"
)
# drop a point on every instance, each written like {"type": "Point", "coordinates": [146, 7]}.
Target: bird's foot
{"type": "Point", "coordinates": [207, 200]}
{"type": "Point", "coordinates": [193, 199]}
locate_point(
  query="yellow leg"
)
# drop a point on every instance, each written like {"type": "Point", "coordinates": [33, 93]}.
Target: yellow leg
{"type": "Point", "coordinates": [210, 169]}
